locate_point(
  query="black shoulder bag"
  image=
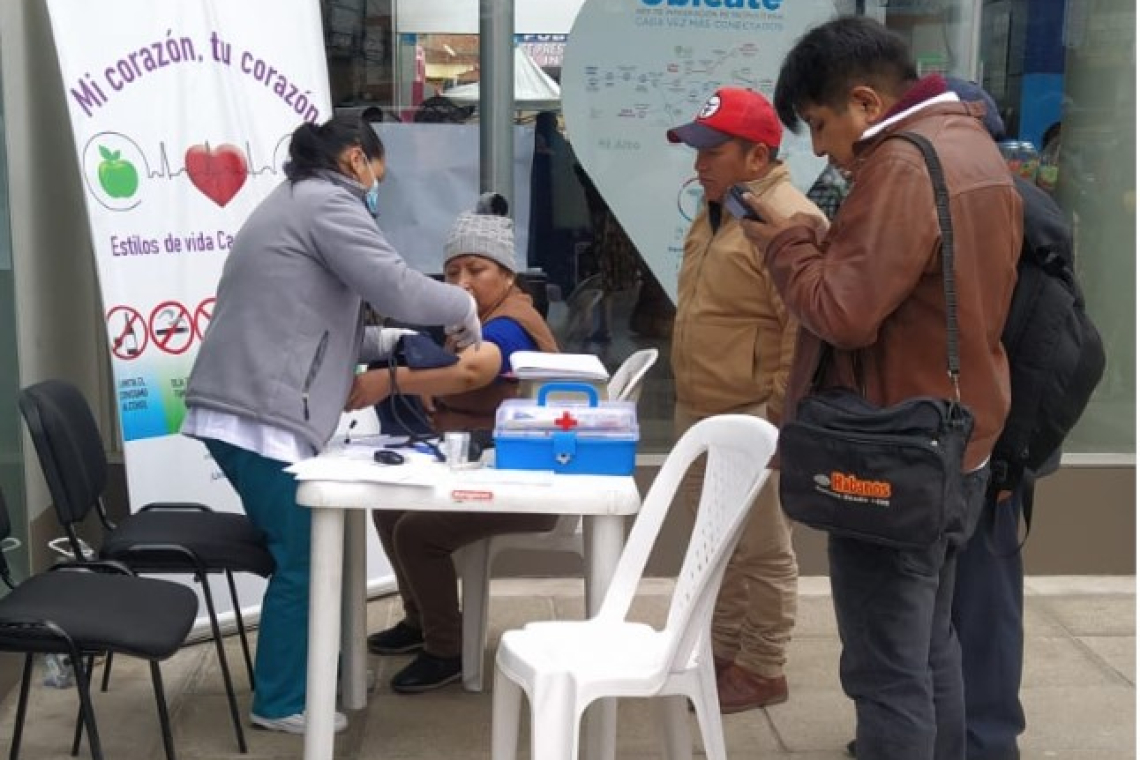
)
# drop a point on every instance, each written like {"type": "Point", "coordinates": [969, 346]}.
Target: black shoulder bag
{"type": "Point", "coordinates": [888, 476]}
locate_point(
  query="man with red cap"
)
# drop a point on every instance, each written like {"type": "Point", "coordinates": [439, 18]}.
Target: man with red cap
{"type": "Point", "coordinates": [732, 349]}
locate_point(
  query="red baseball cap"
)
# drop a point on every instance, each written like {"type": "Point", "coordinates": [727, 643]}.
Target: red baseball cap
{"type": "Point", "coordinates": [731, 112]}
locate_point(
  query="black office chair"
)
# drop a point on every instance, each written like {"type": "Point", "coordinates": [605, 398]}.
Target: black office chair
{"type": "Point", "coordinates": [159, 538]}
{"type": "Point", "coordinates": [84, 608]}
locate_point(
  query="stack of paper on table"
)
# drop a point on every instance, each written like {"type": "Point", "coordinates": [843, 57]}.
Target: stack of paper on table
{"type": "Point", "coordinates": [536, 365]}
{"type": "Point", "coordinates": [535, 368]}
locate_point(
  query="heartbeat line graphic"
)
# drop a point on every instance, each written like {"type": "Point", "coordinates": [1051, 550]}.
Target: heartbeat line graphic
{"type": "Point", "coordinates": [116, 168]}
{"type": "Point", "coordinates": [165, 170]}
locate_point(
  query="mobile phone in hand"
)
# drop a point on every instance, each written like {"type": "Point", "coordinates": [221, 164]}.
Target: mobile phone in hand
{"type": "Point", "coordinates": [737, 206]}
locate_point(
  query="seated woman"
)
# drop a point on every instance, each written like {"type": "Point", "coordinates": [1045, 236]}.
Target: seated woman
{"type": "Point", "coordinates": [479, 257]}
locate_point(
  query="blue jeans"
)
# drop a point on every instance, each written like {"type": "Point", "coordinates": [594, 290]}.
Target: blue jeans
{"type": "Point", "coordinates": [987, 614]}
{"type": "Point", "coordinates": [268, 495]}
{"type": "Point", "coordinates": [901, 664]}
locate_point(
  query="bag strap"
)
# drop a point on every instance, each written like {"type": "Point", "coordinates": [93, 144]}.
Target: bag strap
{"type": "Point", "coordinates": [946, 226]}
{"type": "Point", "coordinates": [988, 522]}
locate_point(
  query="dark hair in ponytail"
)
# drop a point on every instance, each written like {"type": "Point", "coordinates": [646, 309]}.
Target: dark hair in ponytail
{"type": "Point", "coordinates": [315, 147]}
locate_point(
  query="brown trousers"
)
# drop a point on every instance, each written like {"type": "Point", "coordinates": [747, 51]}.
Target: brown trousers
{"type": "Point", "coordinates": [419, 546]}
{"type": "Point", "coordinates": [756, 607]}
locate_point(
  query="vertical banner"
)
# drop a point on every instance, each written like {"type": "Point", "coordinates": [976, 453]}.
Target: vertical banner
{"type": "Point", "coordinates": [633, 69]}
{"type": "Point", "coordinates": [181, 113]}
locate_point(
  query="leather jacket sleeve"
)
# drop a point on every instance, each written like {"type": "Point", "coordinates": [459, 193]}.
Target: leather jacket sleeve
{"type": "Point", "coordinates": [843, 287]}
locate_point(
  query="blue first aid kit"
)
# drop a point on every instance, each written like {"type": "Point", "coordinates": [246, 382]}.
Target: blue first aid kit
{"type": "Point", "coordinates": [566, 429]}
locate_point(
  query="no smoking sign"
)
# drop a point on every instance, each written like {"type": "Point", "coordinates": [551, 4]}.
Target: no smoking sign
{"type": "Point", "coordinates": [171, 327]}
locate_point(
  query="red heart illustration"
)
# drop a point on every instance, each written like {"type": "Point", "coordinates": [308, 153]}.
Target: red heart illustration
{"type": "Point", "coordinates": [218, 173]}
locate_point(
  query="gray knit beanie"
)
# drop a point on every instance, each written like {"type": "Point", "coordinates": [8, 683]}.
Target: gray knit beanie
{"type": "Point", "coordinates": [484, 232]}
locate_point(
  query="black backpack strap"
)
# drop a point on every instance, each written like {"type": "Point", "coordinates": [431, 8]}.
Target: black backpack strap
{"type": "Point", "coordinates": [1027, 485]}
{"type": "Point", "coordinates": [988, 522]}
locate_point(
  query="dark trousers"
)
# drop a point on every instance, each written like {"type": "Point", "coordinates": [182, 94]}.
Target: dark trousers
{"type": "Point", "coordinates": [901, 663]}
{"type": "Point", "coordinates": [987, 614]}
{"type": "Point", "coordinates": [268, 495]}
{"type": "Point", "coordinates": [419, 546]}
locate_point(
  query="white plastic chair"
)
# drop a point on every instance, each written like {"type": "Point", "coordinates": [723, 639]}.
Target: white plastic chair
{"type": "Point", "coordinates": [580, 306]}
{"type": "Point", "coordinates": [358, 423]}
{"type": "Point", "coordinates": [563, 666]}
{"type": "Point", "coordinates": [475, 561]}
{"type": "Point", "coordinates": [625, 385]}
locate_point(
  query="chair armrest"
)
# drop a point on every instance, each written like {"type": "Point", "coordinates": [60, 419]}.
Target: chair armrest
{"type": "Point", "coordinates": [106, 566]}
{"type": "Point", "coordinates": [36, 632]}
{"type": "Point", "coordinates": [156, 552]}
{"type": "Point", "coordinates": [184, 506]}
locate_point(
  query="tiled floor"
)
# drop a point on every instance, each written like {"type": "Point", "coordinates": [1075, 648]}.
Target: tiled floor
{"type": "Point", "coordinates": [1079, 690]}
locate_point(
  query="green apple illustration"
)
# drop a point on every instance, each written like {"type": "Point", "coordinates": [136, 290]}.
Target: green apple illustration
{"type": "Point", "coordinates": [117, 175]}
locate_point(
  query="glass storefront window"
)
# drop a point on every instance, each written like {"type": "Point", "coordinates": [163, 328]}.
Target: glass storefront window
{"type": "Point", "coordinates": [1062, 71]}
{"type": "Point", "coordinates": [1096, 183]}
{"type": "Point", "coordinates": [360, 47]}
{"type": "Point", "coordinates": [11, 458]}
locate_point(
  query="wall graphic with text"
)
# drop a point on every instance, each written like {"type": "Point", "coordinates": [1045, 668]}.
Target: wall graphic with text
{"type": "Point", "coordinates": [632, 69]}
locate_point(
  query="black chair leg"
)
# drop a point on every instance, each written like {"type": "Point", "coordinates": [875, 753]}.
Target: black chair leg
{"type": "Point", "coordinates": [163, 714]}
{"type": "Point", "coordinates": [83, 686]}
{"type": "Point", "coordinates": [79, 713]}
{"type": "Point", "coordinates": [21, 707]}
{"type": "Point", "coordinates": [220, 644]}
{"type": "Point", "coordinates": [107, 671]}
{"type": "Point", "coordinates": [241, 628]}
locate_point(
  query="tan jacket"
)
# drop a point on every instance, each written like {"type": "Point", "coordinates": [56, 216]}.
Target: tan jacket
{"type": "Point", "coordinates": [732, 337]}
{"type": "Point", "coordinates": [873, 286]}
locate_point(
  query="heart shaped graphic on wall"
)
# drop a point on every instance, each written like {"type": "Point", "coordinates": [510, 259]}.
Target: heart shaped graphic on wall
{"type": "Point", "coordinates": [218, 173]}
{"type": "Point", "coordinates": [633, 69]}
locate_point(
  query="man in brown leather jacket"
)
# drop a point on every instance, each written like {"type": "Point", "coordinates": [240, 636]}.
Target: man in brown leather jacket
{"type": "Point", "coordinates": [871, 287]}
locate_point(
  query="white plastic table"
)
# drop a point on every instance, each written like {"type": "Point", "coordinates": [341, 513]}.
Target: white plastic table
{"type": "Point", "coordinates": [341, 487]}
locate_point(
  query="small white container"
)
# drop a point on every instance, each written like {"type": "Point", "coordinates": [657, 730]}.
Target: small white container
{"type": "Point", "coordinates": [455, 447]}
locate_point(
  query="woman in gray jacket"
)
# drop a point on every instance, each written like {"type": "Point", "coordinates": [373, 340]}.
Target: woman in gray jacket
{"type": "Point", "coordinates": [276, 364]}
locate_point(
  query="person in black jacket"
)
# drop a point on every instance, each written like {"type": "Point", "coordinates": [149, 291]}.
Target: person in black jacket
{"type": "Point", "coordinates": [988, 601]}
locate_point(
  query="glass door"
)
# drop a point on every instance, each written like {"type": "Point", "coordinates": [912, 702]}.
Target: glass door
{"type": "Point", "coordinates": [11, 458]}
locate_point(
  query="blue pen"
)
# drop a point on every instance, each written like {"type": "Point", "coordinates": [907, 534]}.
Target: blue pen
{"type": "Point", "coordinates": [421, 447]}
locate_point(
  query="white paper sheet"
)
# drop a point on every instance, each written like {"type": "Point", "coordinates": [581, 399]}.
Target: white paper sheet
{"type": "Point", "coordinates": [351, 460]}
{"type": "Point", "coordinates": [536, 365]}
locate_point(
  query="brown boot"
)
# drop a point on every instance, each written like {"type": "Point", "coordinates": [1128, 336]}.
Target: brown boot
{"type": "Point", "coordinates": [720, 664]}
{"type": "Point", "coordinates": [741, 690]}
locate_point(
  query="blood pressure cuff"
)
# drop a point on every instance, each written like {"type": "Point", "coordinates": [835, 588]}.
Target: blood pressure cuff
{"type": "Point", "coordinates": [404, 414]}
{"type": "Point", "coordinates": [419, 351]}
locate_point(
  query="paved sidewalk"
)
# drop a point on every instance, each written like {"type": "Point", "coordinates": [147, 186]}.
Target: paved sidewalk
{"type": "Point", "coordinates": [1079, 689]}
